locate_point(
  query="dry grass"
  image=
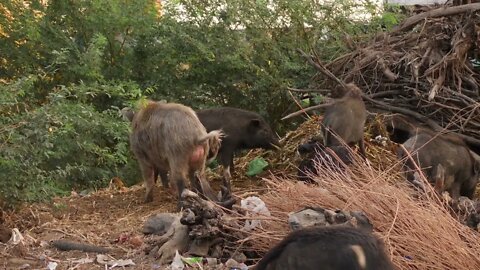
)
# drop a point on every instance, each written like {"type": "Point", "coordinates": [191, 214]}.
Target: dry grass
{"type": "Point", "coordinates": [419, 233]}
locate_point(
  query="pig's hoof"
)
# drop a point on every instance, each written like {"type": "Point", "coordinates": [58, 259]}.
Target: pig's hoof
{"type": "Point", "coordinates": [148, 199]}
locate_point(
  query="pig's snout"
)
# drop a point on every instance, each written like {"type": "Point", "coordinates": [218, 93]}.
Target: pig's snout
{"type": "Point", "coordinates": [275, 144]}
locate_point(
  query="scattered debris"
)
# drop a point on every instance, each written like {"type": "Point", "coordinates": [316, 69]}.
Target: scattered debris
{"type": "Point", "coordinates": [253, 206]}
{"type": "Point", "coordinates": [177, 263]}
{"type": "Point", "coordinates": [159, 224]}
{"type": "Point", "coordinates": [467, 210]}
{"type": "Point", "coordinates": [66, 245]}
{"type": "Point", "coordinates": [16, 238]}
{"type": "Point", "coordinates": [112, 263]}
{"type": "Point", "coordinates": [52, 265]}
{"type": "Point", "coordinates": [5, 234]}
{"type": "Point", "coordinates": [317, 216]}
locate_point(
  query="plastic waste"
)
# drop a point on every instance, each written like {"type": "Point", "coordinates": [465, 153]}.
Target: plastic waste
{"type": "Point", "coordinates": [52, 265]}
{"type": "Point", "coordinates": [177, 263]}
{"type": "Point", "coordinates": [254, 205]}
{"type": "Point", "coordinates": [256, 166]}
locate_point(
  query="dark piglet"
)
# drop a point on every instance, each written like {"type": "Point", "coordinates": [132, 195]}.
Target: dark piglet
{"type": "Point", "coordinates": [445, 160]}
{"type": "Point", "coordinates": [315, 154]}
{"type": "Point", "coordinates": [337, 247]}
{"type": "Point", "coordinates": [345, 118]}
{"type": "Point", "coordinates": [243, 130]}
{"type": "Point", "coordinates": [168, 137]}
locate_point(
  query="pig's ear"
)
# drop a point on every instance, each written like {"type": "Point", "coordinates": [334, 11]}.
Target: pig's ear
{"type": "Point", "coordinates": [476, 167]}
{"type": "Point", "coordinates": [255, 122]}
{"type": "Point", "coordinates": [127, 113]}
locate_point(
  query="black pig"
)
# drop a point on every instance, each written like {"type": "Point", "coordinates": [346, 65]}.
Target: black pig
{"type": "Point", "coordinates": [243, 130]}
{"type": "Point", "coordinates": [315, 154]}
{"type": "Point", "coordinates": [337, 247]}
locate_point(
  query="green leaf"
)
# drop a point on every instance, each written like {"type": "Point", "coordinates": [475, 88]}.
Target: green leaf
{"type": "Point", "coordinates": [256, 166]}
{"type": "Point", "coordinates": [192, 260]}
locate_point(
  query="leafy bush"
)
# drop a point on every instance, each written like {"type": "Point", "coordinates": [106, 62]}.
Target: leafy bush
{"type": "Point", "coordinates": [67, 142]}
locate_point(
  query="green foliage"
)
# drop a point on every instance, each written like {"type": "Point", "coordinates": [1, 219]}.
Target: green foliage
{"type": "Point", "coordinates": [66, 143]}
{"type": "Point", "coordinates": [71, 65]}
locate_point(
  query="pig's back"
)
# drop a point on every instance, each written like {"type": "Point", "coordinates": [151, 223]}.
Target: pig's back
{"type": "Point", "coordinates": [225, 118]}
{"type": "Point", "coordinates": [347, 119]}
{"type": "Point", "coordinates": [172, 129]}
{"type": "Point", "coordinates": [432, 149]}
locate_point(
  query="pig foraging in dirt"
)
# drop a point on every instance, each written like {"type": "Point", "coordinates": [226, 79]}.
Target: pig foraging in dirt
{"type": "Point", "coordinates": [337, 247]}
{"type": "Point", "coordinates": [168, 137]}
{"type": "Point", "coordinates": [345, 119]}
{"type": "Point", "coordinates": [315, 154]}
{"type": "Point", "coordinates": [445, 160]}
{"type": "Point", "coordinates": [243, 130]}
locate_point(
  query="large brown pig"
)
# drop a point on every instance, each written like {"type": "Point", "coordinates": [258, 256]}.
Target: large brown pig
{"type": "Point", "coordinates": [445, 160]}
{"type": "Point", "coordinates": [169, 137]}
{"type": "Point", "coordinates": [345, 119]}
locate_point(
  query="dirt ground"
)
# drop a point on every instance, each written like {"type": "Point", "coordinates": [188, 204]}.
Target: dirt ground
{"type": "Point", "coordinates": [111, 218]}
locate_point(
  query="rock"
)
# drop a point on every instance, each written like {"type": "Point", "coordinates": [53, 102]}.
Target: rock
{"type": "Point", "coordinates": [317, 216]}
{"type": "Point", "coordinates": [159, 224]}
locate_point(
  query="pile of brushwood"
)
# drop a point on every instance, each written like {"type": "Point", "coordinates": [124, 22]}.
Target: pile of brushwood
{"type": "Point", "coordinates": [428, 68]}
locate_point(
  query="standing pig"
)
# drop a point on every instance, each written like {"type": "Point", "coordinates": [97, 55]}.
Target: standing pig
{"type": "Point", "coordinates": [243, 129]}
{"type": "Point", "coordinates": [445, 160]}
{"type": "Point", "coordinates": [345, 118]}
{"type": "Point", "coordinates": [168, 137]}
{"type": "Point", "coordinates": [337, 247]}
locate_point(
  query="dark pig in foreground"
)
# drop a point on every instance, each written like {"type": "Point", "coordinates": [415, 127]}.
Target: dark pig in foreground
{"type": "Point", "coordinates": [345, 119]}
{"type": "Point", "coordinates": [337, 247]}
{"type": "Point", "coordinates": [444, 159]}
{"type": "Point", "coordinates": [168, 137]}
{"type": "Point", "coordinates": [243, 130]}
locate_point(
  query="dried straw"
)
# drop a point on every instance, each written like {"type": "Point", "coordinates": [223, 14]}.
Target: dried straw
{"type": "Point", "coordinates": [418, 232]}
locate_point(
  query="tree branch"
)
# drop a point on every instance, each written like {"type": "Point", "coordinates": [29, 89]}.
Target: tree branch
{"type": "Point", "coordinates": [439, 12]}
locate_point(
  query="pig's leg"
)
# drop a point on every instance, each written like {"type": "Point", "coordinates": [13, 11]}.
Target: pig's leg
{"type": "Point", "coordinates": [455, 191]}
{"type": "Point", "coordinates": [226, 159]}
{"type": "Point", "coordinates": [326, 136]}
{"type": "Point", "coordinates": [155, 175]}
{"type": "Point", "coordinates": [439, 178]}
{"type": "Point", "coordinates": [164, 178]}
{"type": "Point", "coordinates": [195, 181]}
{"type": "Point", "coordinates": [179, 175]}
{"type": "Point", "coordinates": [149, 178]}
{"type": "Point", "coordinates": [227, 178]}
{"type": "Point", "coordinates": [361, 144]}
{"type": "Point", "coordinates": [468, 189]}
